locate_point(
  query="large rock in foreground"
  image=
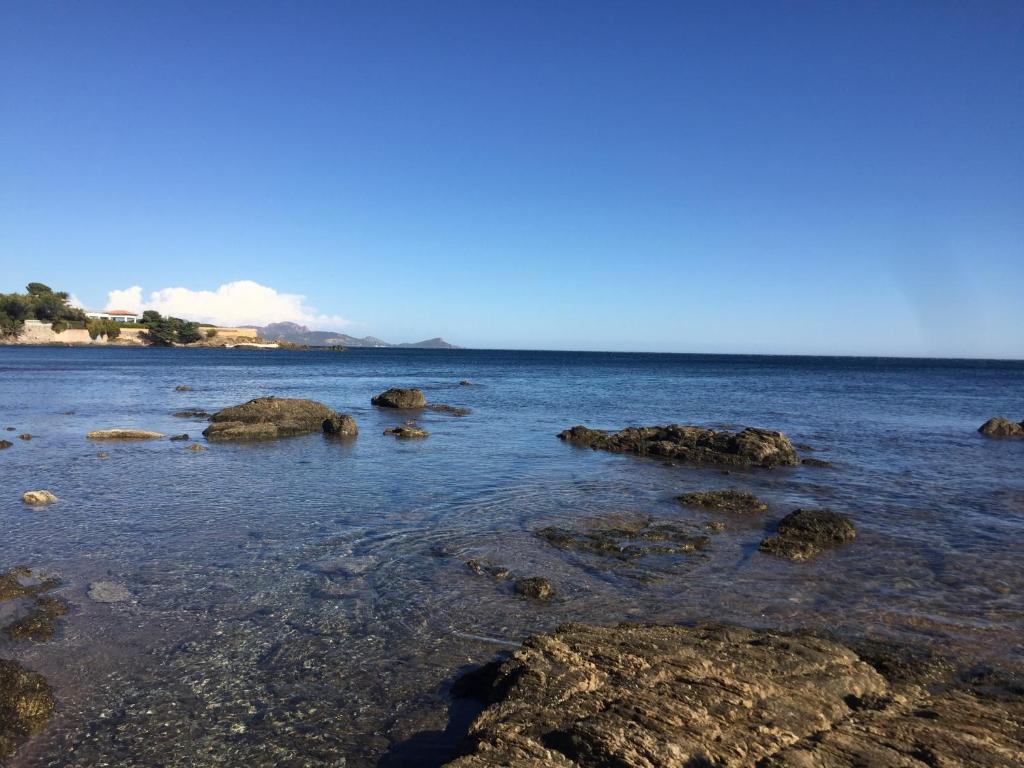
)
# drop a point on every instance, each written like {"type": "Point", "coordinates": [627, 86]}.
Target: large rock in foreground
{"type": "Point", "coordinates": [999, 427]}
{"type": "Point", "coordinates": [651, 696]}
{"type": "Point", "coordinates": [749, 447]}
{"type": "Point", "coordinates": [267, 418]}
{"type": "Point", "coordinates": [26, 703]}
{"type": "Point", "coordinates": [400, 398]}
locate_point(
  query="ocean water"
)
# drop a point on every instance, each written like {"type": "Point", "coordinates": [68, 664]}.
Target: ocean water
{"type": "Point", "coordinates": [306, 601]}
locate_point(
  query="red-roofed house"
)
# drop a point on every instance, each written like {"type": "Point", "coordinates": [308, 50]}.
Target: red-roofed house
{"type": "Point", "coordinates": [117, 315]}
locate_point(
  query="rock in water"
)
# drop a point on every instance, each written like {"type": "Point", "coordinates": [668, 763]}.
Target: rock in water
{"type": "Point", "coordinates": [26, 703]}
{"type": "Point", "coordinates": [4, 444]}
{"type": "Point", "coordinates": [999, 427]}
{"type": "Point", "coordinates": [725, 501]}
{"type": "Point", "coordinates": [25, 436]}
{"type": "Point", "coordinates": [195, 414]}
{"type": "Point", "coordinates": [451, 410]}
{"type": "Point", "coordinates": [407, 432]}
{"type": "Point", "coordinates": [400, 398]}
{"type": "Point", "coordinates": [179, 438]}
{"type": "Point", "coordinates": [38, 498]}
{"type": "Point", "coordinates": [749, 447]}
{"type": "Point", "coordinates": [808, 532]}
{"type": "Point", "coordinates": [183, 388]}
{"type": "Point", "coordinates": [535, 587]}
{"type": "Point", "coordinates": [41, 623]}
{"type": "Point", "coordinates": [108, 592]}
{"type": "Point", "coordinates": [196, 447]}
{"type": "Point", "coordinates": [340, 425]}
{"type": "Point", "coordinates": [465, 383]}
{"type": "Point", "coordinates": [123, 434]}
{"type": "Point", "coordinates": [660, 697]}
{"type": "Point", "coordinates": [266, 418]}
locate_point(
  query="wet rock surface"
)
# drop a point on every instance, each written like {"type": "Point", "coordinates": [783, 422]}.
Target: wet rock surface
{"type": "Point", "coordinates": [651, 696]}
{"type": "Point", "coordinates": [535, 588]}
{"type": "Point", "coordinates": [26, 703]}
{"type": "Point", "coordinates": [626, 540]}
{"type": "Point", "coordinates": [24, 582]}
{"type": "Point", "coordinates": [5, 444]}
{"type": "Point", "coordinates": [748, 447]}
{"type": "Point", "coordinates": [340, 425]}
{"type": "Point", "coordinates": [268, 418]}
{"type": "Point", "coordinates": [400, 398]}
{"type": "Point", "coordinates": [179, 438]}
{"type": "Point", "coordinates": [38, 498]}
{"type": "Point", "coordinates": [406, 431]}
{"type": "Point", "coordinates": [742, 502]}
{"type": "Point", "coordinates": [999, 427]}
{"type": "Point", "coordinates": [123, 434]}
{"type": "Point", "coordinates": [805, 533]}
{"type": "Point", "coordinates": [40, 623]}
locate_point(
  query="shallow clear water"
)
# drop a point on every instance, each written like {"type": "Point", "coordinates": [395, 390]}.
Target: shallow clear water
{"type": "Point", "coordinates": [306, 601]}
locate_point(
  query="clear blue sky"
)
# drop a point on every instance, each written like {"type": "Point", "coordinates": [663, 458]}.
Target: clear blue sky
{"type": "Point", "coordinates": [791, 177]}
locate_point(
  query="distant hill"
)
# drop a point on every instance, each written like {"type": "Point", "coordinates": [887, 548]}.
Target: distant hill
{"type": "Point", "coordinates": [300, 334]}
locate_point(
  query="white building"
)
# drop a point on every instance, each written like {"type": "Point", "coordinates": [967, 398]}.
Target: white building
{"type": "Point", "coordinates": [117, 315]}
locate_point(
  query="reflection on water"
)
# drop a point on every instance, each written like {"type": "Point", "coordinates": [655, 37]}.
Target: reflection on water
{"type": "Point", "coordinates": [306, 602]}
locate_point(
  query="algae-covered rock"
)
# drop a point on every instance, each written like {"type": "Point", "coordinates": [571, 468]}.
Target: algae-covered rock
{"type": "Point", "coordinates": [191, 414]}
{"type": "Point", "coordinates": [748, 447]}
{"type": "Point", "coordinates": [123, 434]}
{"type": "Point", "coordinates": [21, 581]}
{"type": "Point", "coordinates": [406, 432]}
{"type": "Point", "coordinates": [535, 587]}
{"type": "Point", "coordinates": [400, 398]}
{"type": "Point", "coordinates": [26, 703]}
{"type": "Point", "coordinates": [40, 624]}
{"type": "Point", "coordinates": [451, 410]}
{"type": "Point", "coordinates": [183, 388]}
{"type": "Point", "coordinates": [647, 696]}
{"type": "Point", "coordinates": [38, 498]}
{"type": "Point", "coordinates": [267, 418]}
{"type": "Point", "coordinates": [626, 541]}
{"type": "Point", "coordinates": [340, 425]}
{"type": "Point", "coordinates": [999, 427]}
{"type": "Point", "coordinates": [724, 501]}
{"type": "Point", "coordinates": [805, 533]}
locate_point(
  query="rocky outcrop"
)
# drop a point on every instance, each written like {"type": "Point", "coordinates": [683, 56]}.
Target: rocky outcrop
{"type": "Point", "coordinates": [724, 501]}
{"type": "Point", "coordinates": [999, 427]}
{"type": "Point", "coordinates": [340, 425]}
{"type": "Point", "coordinates": [749, 447]}
{"type": "Point", "coordinates": [400, 398]}
{"type": "Point", "coordinates": [805, 533]}
{"type": "Point", "coordinates": [26, 703]}
{"type": "Point", "coordinates": [656, 696]}
{"type": "Point", "coordinates": [38, 498]}
{"type": "Point", "coordinates": [123, 434]}
{"type": "Point", "coordinates": [267, 418]}
{"type": "Point", "coordinates": [407, 432]}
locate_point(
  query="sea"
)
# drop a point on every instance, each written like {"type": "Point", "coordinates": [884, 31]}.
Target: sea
{"type": "Point", "coordinates": [307, 601]}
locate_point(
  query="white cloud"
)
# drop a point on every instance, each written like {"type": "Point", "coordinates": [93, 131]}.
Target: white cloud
{"type": "Point", "coordinates": [243, 302]}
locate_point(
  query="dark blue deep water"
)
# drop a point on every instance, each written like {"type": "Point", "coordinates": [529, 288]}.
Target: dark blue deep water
{"type": "Point", "coordinates": [306, 601]}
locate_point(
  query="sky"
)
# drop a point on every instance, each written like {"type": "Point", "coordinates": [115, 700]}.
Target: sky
{"type": "Point", "coordinates": [751, 177]}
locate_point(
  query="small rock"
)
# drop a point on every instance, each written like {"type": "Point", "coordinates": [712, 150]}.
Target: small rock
{"type": "Point", "coordinates": [196, 447]}
{"type": "Point", "coordinates": [178, 438]}
{"type": "Point", "coordinates": [816, 463]}
{"type": "Point", "coordinates": [1000, 427]}
{"type": "Point", "coordinates": [108, 592]}
{"type": "Point", "coordinates": [451, 410]}
{"type": "Point", "coordinates": [183, 388]}
{"type": "Point", "coordinates": [714, 526]}
{"type": "Point", "coordinates": [726, 501]}
{"type": "Point", "coordinates": [37, 498]}
{"type": "Point", "coordinates": [4, 444]}
{"type": "Point", "coordinates": [25, 436]}
{"type": "Point", "coordinates": [535, 587]}
{"type": "Point", "coordinates": [26, 703]}
{"type": "Point", "coordinates": [102, 455]}
{"type": "Point", "coordinates": [400, 398]}
{"type": "Point", "coordinates": [465, 383]}
{"type": "Point", "coordinates": [340, 425]}
{"type": "Point", "coordinates": [123, 434]}
{"type": "Point", "coordinates": [191, 414]}
{"type": "Point", "coordinates": [406, 431]}
{"type": "Point", "coordinates": [808, 532]}
{"type": "Point", "coordinates": [482, 568]}
{"type": "Point", "coordinates": [11, 429]}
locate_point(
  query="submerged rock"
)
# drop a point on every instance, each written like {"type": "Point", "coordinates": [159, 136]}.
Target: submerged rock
{"type": "Point", "coordinates": [340, 425]}
{"type": "Point", "coordinates": [749, 447]}
{"type": "Point", "coordinates": [196, 448]}
{"type": "Point", "coordinates": [725, 501]}
{"type": "Point", "coordinates": [483, 568]}
{"type": "Point", "coordinates": [465, 383]}
{"type": "Point", "coordinates": [183, 388]}
{"type": "Point", "coordinates": [102, 455]}
{"type": "Point", "coordinates": [25, 436]}
{"type": "Point", "coordinates": [406, 431]}
{"type": "Point", "coordinates": [626, 542]}
{"type": "Point", "coordinates": [178, 438]}
{"type": "Point", "coordinates": [535, 587]}
{"type": "Point", "coordinates": [451, 410]}
{"type": "Point", "coordinates": [26, 703]}
{"type": "Point", "coordinates": [24, 582]}
{"type": "Point", "coordinates": [267, 418]}
{"type": "Point", "coordinates": [123, 434]}
{"type": "Point", "coordinates": [805, 533]}
{"type": "Point", "coordinates": [999, 427]}
{"type": "Point", "coordinates": [38, 498]}
{"type": "Point", "coordinates": [4, 444]}
{"type": "Point", "coordinates": [809, 462]}
{"type": "Point", "coordinates": [108, 592]}
{"type": "Point", "coordinates": [660, 696]}
{"type": "Point", "coordinates": [41, 623]}
{"type": "Point", "coordinates": [400, 398]}
{"type": "Point", "coordinates": [191, 414]}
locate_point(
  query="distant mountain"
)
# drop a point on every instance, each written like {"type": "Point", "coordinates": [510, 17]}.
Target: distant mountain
{"type": "Point", "coordinates": [300, 334]}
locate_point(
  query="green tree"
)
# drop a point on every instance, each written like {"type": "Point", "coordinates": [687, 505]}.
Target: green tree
{"type": "Point", "coordinates": [151, 316]}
